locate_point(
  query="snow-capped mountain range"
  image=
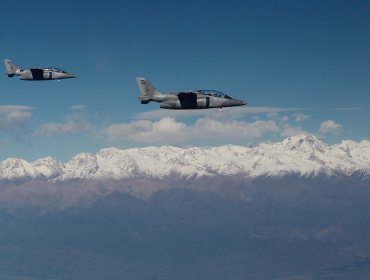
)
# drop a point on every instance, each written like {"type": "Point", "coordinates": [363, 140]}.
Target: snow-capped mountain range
{"type": "Point", "coordinates": [304, 155]}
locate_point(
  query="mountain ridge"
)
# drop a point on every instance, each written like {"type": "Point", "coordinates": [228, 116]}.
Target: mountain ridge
{"type": "Point", "coordinates": [303, 154]}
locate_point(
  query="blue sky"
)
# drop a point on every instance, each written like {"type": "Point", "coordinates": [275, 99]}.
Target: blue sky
{"type": "Point", "coordinates": [302, 66]}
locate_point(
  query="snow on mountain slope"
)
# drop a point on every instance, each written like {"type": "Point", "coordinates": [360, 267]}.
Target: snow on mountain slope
{"type": "Point", "coordinates": [304, 155]}
{"type": "Point", "coordinates": [49, 167]}
{"type": "Point", "coordinates": [19, 170]}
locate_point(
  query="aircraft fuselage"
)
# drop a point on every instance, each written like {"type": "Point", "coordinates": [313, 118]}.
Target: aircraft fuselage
{"type": "Point", "coordinates": [36, 74]}
{"type": "Point", "coordinates": [194, 101]}
{"type": "Point", "coordinates": [199, 99]}
{"type": "Point", "coordinates": [43, 74]}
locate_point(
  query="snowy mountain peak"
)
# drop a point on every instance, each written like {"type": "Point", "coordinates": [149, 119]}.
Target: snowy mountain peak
{"type": "Point", "coordinates": [302, 138]}
{"type": "Point", "coordinates": [47, 161]}
{"type": "Point", "coordinates": [355, 149]}
{"type": "Point", "coordinates": [108, 153]}
{"type": "Point", "coordinates": [81, 159]}
{"type": "Point", "coordinates": [305, 143]}
{"type": "Point", "coordinates": [13, 163]}
{"type": "Point", "coordinates": [304, 155]}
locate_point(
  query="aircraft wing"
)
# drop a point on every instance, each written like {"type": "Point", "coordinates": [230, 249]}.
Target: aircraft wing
{"type": "Point", "coordinates": [37, 73]}
{"type": "Point", "coordinates": [188, 99]}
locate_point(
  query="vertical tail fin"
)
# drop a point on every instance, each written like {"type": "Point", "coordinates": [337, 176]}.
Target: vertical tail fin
{"type": "Point", "coordinates": [146, 88]}
{"type": "Point", "coordinates": [10, 67]}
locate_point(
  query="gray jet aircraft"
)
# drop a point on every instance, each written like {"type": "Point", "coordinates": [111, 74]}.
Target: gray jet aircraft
{"type": "Point", "coordinates": [197, 99]}
{"type": "Point", "coordinates": [36, 74]}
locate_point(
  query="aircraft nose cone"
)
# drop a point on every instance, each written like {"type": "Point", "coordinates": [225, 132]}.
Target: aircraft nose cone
{"type": "Point", "coordinates": [233, 102]}
{"type": "Point", "coordinates": [240, 102]}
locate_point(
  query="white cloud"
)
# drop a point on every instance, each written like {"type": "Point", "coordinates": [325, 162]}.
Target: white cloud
{"type": "Point", "coordinates": [75, 124]}
{"type": "Point", "coordinates": [272, 115]}
{"type": "Point", "coordinates": [77, 107]}
{"type": "Point", "coordinates": [18, 117]}
{"type": "Point", "coordinates": [168, 130]}
{"type": "Point", "coordinates": [289, 131]}
{"type": "Point", "coordinates": [222, 115]}
{"type": "Point", "coordinates": [300, 117]}
{"type": "Point", "coordinates": [208, 128]}
{"type": "Point", "coordinates": [347, 109]}
{"type": "Point", "coordinates": [285, 118]}
{"type": "Point", "coordinates": [13, 120]}
{"type": "Point", "coordinates": [164, 130]}
{"type": "Point", "coordinates": [7, 109]}
{"type": "Point", "coordinates": [329, 126]}
{"type": "Point", "coordinates": [236, 111]}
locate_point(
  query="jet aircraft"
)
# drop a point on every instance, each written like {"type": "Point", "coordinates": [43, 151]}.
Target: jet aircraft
{"type": "Point", "coordinates": [36, 74]}
{"type": "Point", "coordinates": [197, 99]}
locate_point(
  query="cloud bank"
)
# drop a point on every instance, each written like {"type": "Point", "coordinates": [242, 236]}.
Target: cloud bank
{"type": "Point", "coordinates": [7, 109]}
{"type": "Point", "coordinates": [289, 131]}
{"type": "Point", "coordinates": [77, 107]}
{"type": "Point", "coordinates": [168, 130]}
{"type": "Point", "coordinates": [218, 125]}
{"type": "Point", "coordinates": [74, 124]}
{"type": "Point", "coordinates": [329, 126]}
{"type": "Point", "coordinates": [13, 120]}
{"type": "Point", "coordinates": [300, 117]}
{"type": "Point", "coordinates": [233, 112]}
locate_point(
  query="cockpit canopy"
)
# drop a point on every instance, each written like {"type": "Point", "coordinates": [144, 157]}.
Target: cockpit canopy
{"type": "Point", "coordinates": [214, 93]}
{"type": "Point", "coordinates": [53, 69]}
